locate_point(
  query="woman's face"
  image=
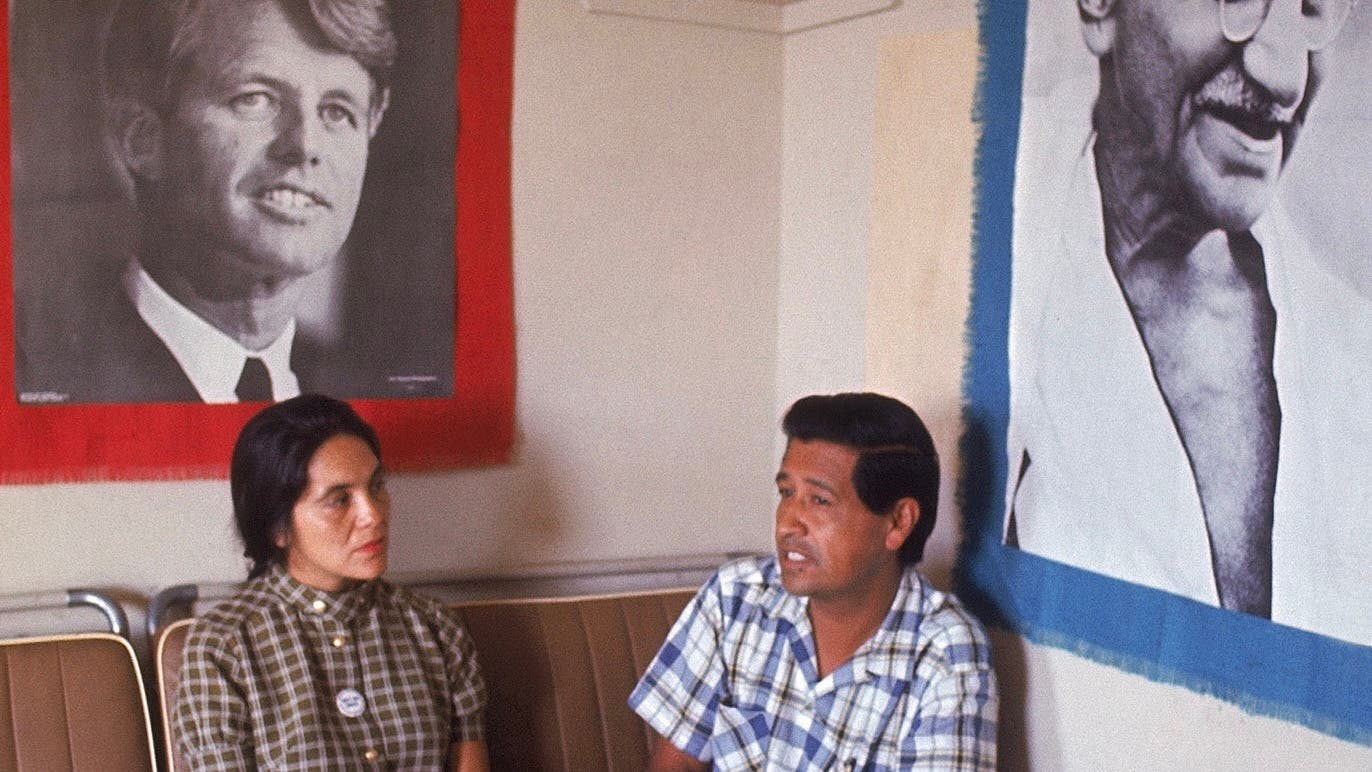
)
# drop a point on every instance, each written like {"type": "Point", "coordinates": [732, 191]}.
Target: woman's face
{"type": "Point", "coordinates": [337, 535]}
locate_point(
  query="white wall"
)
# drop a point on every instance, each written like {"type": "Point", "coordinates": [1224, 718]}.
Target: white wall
{"type": "Point", "coordinates": [1059, 712]}
{"type": "Point", "coordinates": [684, 268]}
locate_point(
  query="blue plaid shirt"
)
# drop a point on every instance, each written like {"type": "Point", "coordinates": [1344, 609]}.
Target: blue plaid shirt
{"type": "Point", "coordinates": [736, 682]}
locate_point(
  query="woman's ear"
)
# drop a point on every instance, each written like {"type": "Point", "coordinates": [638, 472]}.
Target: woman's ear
{"type": "Point", "coordinates": [1097, 25]}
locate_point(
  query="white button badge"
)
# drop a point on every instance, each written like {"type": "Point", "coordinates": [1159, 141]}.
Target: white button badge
{"type": "Point", "coordinates": [351, 703]}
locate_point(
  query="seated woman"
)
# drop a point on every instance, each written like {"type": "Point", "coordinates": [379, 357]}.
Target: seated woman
{"type": "Point", "coordinates": [317, 662]}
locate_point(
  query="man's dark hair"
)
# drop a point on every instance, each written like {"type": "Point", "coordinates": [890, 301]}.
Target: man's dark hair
{"type": "Point", "coordinates": [896, 455]}
{"type": "Point", "coordinates": [270, 468]}
{"type": "Point", "coordinates": [146, 47]}
{"type": "Point", "coordinates": [146, 43]}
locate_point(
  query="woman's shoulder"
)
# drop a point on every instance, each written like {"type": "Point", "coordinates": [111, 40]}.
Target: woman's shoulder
{"type": "Point", "coordinates": [408, 601]}
{"type": "Point", "coordinates": [251, 605]}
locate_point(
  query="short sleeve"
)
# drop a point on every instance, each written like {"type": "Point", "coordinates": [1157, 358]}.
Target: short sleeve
{"type": "Point", "coordinates": [679, 694]}
{"type": "Point", "coordinates": [211, 720]}
{"type": "Point", "coordinates": [955, 727]}
{"type": "Point", "coordinates": [466, 687]}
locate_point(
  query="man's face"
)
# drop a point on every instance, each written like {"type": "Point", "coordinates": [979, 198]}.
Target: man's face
{"type": "Point", "coordinates": [829, 545]}
{"type": "Point", "coordinates": [265, 148]}
{"type": "Point", "coordinates": [1218, 118]}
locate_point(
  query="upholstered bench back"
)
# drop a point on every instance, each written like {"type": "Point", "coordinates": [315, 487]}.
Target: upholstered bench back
{"type": "Point", "coordinates": [72, 702]}
{"type": "Point", "coordinates": [558, 672]}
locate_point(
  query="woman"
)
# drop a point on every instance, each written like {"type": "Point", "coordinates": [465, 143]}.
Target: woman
{"type": "Point", "coordinates": [317, 662]}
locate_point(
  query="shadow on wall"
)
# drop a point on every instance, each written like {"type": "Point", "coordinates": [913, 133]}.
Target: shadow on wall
{"type": "Point", "coordinates": [1008, 657]}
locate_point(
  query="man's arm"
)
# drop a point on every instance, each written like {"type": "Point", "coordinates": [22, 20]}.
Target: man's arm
{"type": "Point", "coordinates": [469, 756]}
{"type": "Point", "coordinates": [955, 728]}
{"type": "Point", "coordinates": [669, 758]}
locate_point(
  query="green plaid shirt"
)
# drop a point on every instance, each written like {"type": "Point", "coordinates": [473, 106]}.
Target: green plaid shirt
{"type": "Point", "coordinates": [284, 676]}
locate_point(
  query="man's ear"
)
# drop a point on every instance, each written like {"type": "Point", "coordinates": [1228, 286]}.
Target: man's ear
{"type": "Point", "coordinates": [378, 111]}
{"type": "Point", "coordinates": [903, 517]}
{"type": "Point", "coordinates": [136, 132]}
{"type": "Point", "coordinates": [1098, 25]}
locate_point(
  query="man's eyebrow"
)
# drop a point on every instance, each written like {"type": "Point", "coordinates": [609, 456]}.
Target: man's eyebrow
{"type": "Point", "coordinates": [821, 484]}
{"type": "Point", "coordinates": [346, 95]}
{"type": "Point", "coordinates": [815, 481]}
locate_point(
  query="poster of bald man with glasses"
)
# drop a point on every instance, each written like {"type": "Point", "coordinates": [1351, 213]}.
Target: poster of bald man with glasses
{"type": "Point", "coordinates": [1190, 326]}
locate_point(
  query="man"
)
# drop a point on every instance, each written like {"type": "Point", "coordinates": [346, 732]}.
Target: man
{"type": "Point", "coordinates": [834, 653]}
{"type": "Point", "coordinates": [243, 129]}
{"type": "Point", "coordinates": [1182, 366]}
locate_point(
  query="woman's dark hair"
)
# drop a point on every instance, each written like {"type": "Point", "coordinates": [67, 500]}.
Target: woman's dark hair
{"type": "Point", "coordinates": [896, 455]}
{"type": "Point", "coordinates": [271, 463]}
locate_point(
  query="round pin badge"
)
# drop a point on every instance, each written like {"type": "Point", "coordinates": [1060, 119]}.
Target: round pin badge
{"type": "Point", "coordinates": [351, 703]}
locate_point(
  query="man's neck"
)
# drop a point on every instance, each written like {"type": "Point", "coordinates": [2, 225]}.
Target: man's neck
{"type": "Point", "coordinates": [842, 624]}
{"type": "Point", "coordinates": [1208, 324]}
{"type": "Point", "coordinates": [252, 311]}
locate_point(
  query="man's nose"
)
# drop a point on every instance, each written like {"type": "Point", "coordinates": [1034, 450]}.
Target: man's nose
{"type": "Point", "coordinates": [298, 134]}
{"type": "Point", "coordinates": [1278, 56]}
{"type": "Point", "coordinates": [788, 518]}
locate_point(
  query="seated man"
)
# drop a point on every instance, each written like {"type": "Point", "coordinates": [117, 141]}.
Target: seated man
{"type": "Point", "coordinates": [834, 653]}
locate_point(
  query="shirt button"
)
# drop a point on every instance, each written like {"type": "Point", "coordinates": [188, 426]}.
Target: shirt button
{"type": "Point", "coordinates": [371, 755]}
{"type": "Point", "coordinates": [339, 640]}
{"type": "Point", "coordinates": [318, 606]}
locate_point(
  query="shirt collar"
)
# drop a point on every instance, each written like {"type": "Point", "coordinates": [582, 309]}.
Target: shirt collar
{"type": "Point", "coordinates": [892, 649]}
{"type": "Point", "coordinates": [341, 607]}
{"type": "Point", "coordinates": [211, 360]}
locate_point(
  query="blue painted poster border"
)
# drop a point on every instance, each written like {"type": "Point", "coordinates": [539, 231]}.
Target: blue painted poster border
{"type": "Point", "coordinates": [1263, 667]}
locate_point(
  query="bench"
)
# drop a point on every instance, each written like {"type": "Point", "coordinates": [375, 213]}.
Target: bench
{"type": "Point", "coordinates": [558, 672]}
{"type": "Point", "coordinates": [70, 698]}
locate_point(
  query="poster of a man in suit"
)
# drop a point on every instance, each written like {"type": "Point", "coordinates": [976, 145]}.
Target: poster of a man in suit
{"type": "Point", "coordinates": [226, 202]}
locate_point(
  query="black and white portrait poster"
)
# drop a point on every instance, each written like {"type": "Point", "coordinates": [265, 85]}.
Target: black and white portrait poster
{"type": "Point", "coordinates": [1172, 336]}
{"type": "Point", "coordinates": [215, 205]}
{"type": "Point", "coordinates": [253, 181]}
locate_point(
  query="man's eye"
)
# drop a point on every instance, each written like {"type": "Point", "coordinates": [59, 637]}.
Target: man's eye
{"type": "Point", "coordinates": [253, 103]}
{"type": "Point", "coordinates": [338, 116]}
{"type": "Point", "coordinates": [785, 493]}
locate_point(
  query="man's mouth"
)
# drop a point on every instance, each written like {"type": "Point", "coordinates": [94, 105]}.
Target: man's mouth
{"type": "Point", "coordinates": [1232, 97]}
{"type": "Point", "coordinates": [290, 201]}
{"type": "Point", "coordinates": [1255, 126]}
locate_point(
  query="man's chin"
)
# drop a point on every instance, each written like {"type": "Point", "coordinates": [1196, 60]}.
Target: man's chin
{"type": "Point", "coordinates": [1235, 204]}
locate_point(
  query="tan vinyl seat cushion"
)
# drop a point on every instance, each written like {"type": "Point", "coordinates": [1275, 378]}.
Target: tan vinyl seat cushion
{"type": "Point", "coordinates": [72, 702]}
{"type": "Point", "coordinates": [557, 672]}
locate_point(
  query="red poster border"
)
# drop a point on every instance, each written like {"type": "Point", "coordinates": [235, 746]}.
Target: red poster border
{"type": "Point", "coordinates": [65, 443]}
